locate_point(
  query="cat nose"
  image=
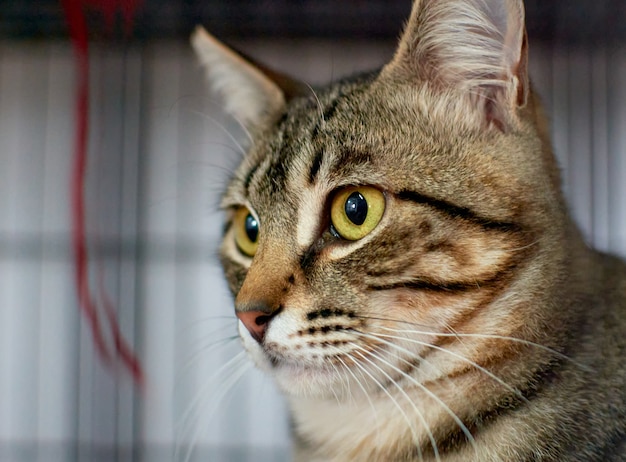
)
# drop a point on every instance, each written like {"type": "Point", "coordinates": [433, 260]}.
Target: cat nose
{"type": "Point", "coordinates": [256, 320]}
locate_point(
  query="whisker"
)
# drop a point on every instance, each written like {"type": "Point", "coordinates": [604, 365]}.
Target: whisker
{"type": "Point", "coordinates": [474, 335]}
{"type": "Point", "coordinates": [319, 103]}
{"type": "Point", "coordinates": [219, 105]}
{"type": "Point", "coordinates": [500, 337]}
{"type": "Point", "coordinates": [399, 321]}
{"type": "Point", "coordinates": [344, 379]}
{"type": "Point", "coordinates": [226, 387]}
{"type": "Point", "coordinates": [347, 369]}
{"type": "Point", "coordinates": [419, 414]}
{"type": "Point", "coordinates": [358, 382]}
{"type": "Point", "coordinates": [361, 386]}
{"type": "Point", "coordinates": [219, 125]}
{"type": "Point", "coordinates": [519, 249]}
{"type": "Point", "coordinates": [204, 349]}
{"type": "Point", "coordinates": [497, 379]}
{"type": "Point", "coordinates": [365, 393]}
{"type": "Point", "coordinates": [439, 373]}
{"type": "Point", "coordinates": [393, 400]}
{"type": "Point", "coordinates": [238, 360]}
{"type": "Point", "coordinates": [333, 389]}
{"type": "Point", "coordinates": [430, 393]}
{"type": "Point", "coordinates": [243, 128]}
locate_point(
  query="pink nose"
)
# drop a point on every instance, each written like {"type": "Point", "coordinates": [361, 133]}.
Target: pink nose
{"type": "Point", "coordinates": [256, 322]}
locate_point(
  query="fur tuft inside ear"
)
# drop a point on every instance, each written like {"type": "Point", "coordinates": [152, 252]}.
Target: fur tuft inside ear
{"type": "Point", "coordinates": [248, 93]}
{"type": "Point", "coordinates": [478, 46]}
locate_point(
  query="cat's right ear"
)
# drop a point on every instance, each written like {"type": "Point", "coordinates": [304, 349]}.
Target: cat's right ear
{"type": "Point", "coordinates": [252, 93]}
{"type": "Point", "coordinates": [477, 46]}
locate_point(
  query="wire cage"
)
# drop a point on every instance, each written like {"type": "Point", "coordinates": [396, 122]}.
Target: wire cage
{"type": "Point", "coordinates": [160, 150]}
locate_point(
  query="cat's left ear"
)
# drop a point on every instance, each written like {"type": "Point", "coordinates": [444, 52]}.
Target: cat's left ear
{"type": "Point", "coordinates": [252, 93]}
{"type": "Point", "coordinates": [477, 46]}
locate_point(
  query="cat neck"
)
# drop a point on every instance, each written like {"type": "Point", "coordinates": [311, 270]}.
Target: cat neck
{"type": "Point", "coordinates": [370, 427]}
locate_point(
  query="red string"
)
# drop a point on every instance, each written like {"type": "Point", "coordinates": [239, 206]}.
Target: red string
{"type": "Point", "coordinates": [74, 10]}
{"type": "Point", "coordinates": [109, 8]}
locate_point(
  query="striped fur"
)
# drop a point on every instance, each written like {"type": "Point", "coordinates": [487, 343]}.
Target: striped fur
{"type": "Point", "coordinates": [472, 323]}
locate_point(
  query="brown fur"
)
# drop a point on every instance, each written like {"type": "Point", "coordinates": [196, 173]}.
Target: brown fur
{"type": "Point", "coordinates": [473, 323]}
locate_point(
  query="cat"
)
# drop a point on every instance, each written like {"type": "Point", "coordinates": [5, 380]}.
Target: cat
{"type": "Point", "coordinates": [403, 262]}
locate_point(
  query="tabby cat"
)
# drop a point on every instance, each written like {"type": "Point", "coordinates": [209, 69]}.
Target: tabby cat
{"type": "Point", "coordinates": [403, 262]}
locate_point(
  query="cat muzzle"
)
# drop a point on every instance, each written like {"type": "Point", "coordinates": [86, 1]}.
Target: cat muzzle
{"type": "Point", "coordinates": [256, 321]}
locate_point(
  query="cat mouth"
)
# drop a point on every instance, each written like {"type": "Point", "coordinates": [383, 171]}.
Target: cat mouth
{"type": "Point", "coordinates": [293, 374]}
{"type": "Point", "coordinates": [274, 360]}
{"type": "Point", "coordinates": [278, 360]}
{"type": "Point", "coordinates": [325, 375]}
{"type": "Point", "coordinates": [282, 357]}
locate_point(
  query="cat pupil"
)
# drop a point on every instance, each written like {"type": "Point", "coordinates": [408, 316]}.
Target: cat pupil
{"type": "Point", "coordinates": [356, 208]}
{"type": "Point", "coordinates": [252, 228]}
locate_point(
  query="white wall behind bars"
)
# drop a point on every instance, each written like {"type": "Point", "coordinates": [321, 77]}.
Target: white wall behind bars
{"type": "Point", "coordinates": [159, 155]}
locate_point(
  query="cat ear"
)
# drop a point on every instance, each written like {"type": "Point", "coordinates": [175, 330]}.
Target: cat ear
{"type": "Point", "coordinates": [252, 93]}
{"type": "Point", "coordinates": [479, 46]}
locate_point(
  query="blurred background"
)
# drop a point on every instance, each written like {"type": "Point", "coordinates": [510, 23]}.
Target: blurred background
{"type": "Point", "coordinates": [159, 151]}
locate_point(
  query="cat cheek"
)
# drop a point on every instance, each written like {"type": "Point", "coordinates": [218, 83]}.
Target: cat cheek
{"type": "Point", "coordinates": [246, 338]}
{"type": "Point", "coordinates": [253, 348]}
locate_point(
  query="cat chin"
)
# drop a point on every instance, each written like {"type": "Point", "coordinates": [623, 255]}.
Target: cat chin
{"type": "Point", "coordinates": [306, 381]}
{"type": "Point", "coordinates": [293, 378]}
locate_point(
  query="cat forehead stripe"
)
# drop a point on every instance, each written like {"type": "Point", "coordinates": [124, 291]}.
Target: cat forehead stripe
{"type": "Point", "coordinates": [257, 172]}
{"type": "Point", "coordinates": [318, 159]}
{"type": "Point", "coordinates": [249, 176]}
{"type": "Point", "coordinates": [310, 211]}
{"type": "Point", "coordinates": [351, 160]}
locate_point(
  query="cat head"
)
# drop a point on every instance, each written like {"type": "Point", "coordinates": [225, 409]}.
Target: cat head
{"type": "Point", "coordinates": [401, 220]}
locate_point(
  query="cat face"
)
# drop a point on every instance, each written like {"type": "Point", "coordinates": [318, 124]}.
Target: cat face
{"type": "Point", "coordinates": [398, 225]}
{"type": "Point", "coordinates": [430, 248]}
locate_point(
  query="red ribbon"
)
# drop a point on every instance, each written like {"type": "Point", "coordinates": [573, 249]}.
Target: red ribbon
{"type": "Point", "coordinates": [75, 13]}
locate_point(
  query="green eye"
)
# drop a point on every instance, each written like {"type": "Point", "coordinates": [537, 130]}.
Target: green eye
{"type": "Point", "coordinates": [246, 231]}
{"type": "Point", "coordinates": [355, 211]}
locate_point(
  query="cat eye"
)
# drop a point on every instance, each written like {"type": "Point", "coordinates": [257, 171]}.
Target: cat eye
{"type": "Point", "coordinates": [246, 231]}
{"type": "Point", "coordinates": [355, 211]}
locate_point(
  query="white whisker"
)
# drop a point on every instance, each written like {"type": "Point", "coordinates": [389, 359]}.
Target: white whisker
{"type": "Point", "coordinates": [227, 386]}
{"type": "Point", "coordinates": [362, 387]}
{"type": "Point", "coordinates": [490, 374]}
{"type": "Point", "coordinates": [493, 337]}
{"type": "Point", "coordinates": [393, 400]}
{"type": "Point", "coordinates": [344, 379]}
{"type": "Point", "coordinates": [419, 414]}
{"type": "Point", "coordinates": [359, 384]}
{"type": "Point", "coordinates": [319, 103]}
{"type": "Point", "coordinates": [406, 396]}
{"type": "Point", "coordinates": [430, 393]}
{"type": "Point", "coordinates": [333, 389]}
{"type": "Point", "coordinates": [460, 335]}
{"type": "Point", "coordinates": [243, 128]}
{"type": "Point", "coordinates": [239, 364]}
{"type": "Point", "coordinates": [224, 129]}
{"type": "Point", "coordinates": [202, 350]}
{"type": "Point", "coordinates": [367, 396]}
